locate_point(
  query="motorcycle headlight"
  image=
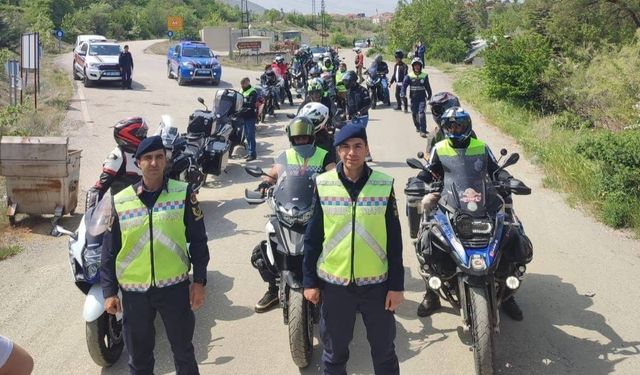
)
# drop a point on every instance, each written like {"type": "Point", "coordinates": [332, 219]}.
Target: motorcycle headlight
{"type": "Point", "coordinates": [294, 216]}
{"type": "Point", "coordinates": [468, 227]}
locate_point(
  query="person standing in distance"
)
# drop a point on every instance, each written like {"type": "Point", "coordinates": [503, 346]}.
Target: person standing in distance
{"type": "Point", "coordinates": [399, 72]}
{"type": "Point", "coordinates": [419, 92]}
{"type": "Point", "coordinates": [356, 213]}
{"type": "Point", "coordinates": [126, 67]}
{"type": "Point", "coordinates": [145, 255]}
{"type": "Point", "coordinates": [249, 115]}
{"type": "Point", "coordinates": [359, 62]}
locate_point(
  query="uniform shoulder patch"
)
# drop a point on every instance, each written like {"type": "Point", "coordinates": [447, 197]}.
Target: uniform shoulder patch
{"type": "Point", "coordinates": [195, 207]}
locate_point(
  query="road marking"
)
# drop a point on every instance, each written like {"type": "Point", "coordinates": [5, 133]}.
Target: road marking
{"type": "Point", "coordinates": [83, 106]}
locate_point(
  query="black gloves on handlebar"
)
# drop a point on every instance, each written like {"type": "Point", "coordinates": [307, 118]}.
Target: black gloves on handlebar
{"type": "Point", "coordinates": [264, 186]}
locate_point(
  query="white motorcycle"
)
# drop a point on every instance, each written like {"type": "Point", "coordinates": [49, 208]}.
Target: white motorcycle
{"type": "Point", "coordinates": [103, 331]}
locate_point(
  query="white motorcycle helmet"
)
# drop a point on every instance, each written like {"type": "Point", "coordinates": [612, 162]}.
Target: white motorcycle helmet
{"type": "Point", "coordinates": [318, 114]}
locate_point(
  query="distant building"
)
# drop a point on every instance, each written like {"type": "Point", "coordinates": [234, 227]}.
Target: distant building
{"type": "Point", "coordinates": [382, 18]}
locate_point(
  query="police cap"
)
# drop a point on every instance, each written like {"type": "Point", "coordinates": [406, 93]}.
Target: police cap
{"type": "Point", "coordinates": [348, 132]}
{"type": "Point", "coordinates": [149, 144]}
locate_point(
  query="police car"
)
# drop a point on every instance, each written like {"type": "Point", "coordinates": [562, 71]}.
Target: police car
{"type": "Point", "coordinates": [193, 62]}
{"type": "Point", "coordinates": [96, 61]}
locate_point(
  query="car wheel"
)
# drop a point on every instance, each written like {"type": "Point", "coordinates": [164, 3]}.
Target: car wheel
{"type": "Point", "coordinates": [75, 72]}
{"type": "Point", "coordinates": [181, 81]}
{"type": "Point", "coordinates": [169, 71]}
{"type": "Point", "coordinates": [87, 81]}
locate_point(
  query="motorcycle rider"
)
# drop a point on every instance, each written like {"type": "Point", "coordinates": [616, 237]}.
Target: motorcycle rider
{"type": "Point", "coordinates": [319, 114]}
{"type": "Point", "coordinates": [316, 93]}
{"type": "Point", "coordinates": [283, 68]}
{"type": "Point", "coordinates": [341, 90]}
{"type": "Point", "coordinates": [457, 127]}
{"type": "Point", "coordinates": [119, 169]}
{"type": "Point", "coordinates": [303, 158]}
{"type": "Point", "coordinates": [381, 69]}
{"type": "Point", "coordinates": [326, 65]}
{"type": "Point", "coordinates": [358, 102]}
{"type": "Point", "coordinates": [270, 79]}
{"type": "Point", "coordinates": [420, 93]}
{"type": "Point", "coordinates": [400, 70]}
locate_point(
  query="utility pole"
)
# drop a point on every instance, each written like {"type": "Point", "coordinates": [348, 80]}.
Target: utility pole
{"type": "Point", "coordinates": [244, 14]}
{"type": "Point", "coordinates": [322, 15]}
{"type": "Point", "coordinates": [313, 13]}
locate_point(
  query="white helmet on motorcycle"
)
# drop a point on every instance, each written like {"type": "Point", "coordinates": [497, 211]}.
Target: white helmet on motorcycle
{"type": "Point", "coordinates": [318, 114]}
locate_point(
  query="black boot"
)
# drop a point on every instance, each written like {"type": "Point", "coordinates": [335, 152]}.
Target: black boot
{"type": "Point", "coordinates": [511, 308]}
{"type": "Point", "coordinates": [268, 301]}
{"type": "Point", "coordinates": [429, 304]}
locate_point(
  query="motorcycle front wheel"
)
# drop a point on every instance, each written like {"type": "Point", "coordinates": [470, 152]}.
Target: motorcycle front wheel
{"type": "Point", "coordinates": [104, 339]}
{"type": "Point", "coordinates": [374, 99]}
{"type": "Point", "coordinates": [300, 328]}
{"type": "Point", "coordinates": [481, 330]}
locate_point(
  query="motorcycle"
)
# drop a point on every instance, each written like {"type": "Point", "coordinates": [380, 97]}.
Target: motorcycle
{"type": "Point", "coordinates": [270, 93]}
{"type": "Point", "coordinates": [103, 331]}
{"type": "Point", "coordinates": [462, 249]}
{"type": "Point", "coordinates": [378, 88]}
{"type": "Point", "coordinates": [292, 202]}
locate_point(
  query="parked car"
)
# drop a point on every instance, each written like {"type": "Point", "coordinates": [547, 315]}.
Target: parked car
{"type": "Point", "coordinates": [96, 61]}
{"type": "Point", "coordinates": [318, 52]}
{"type": "Point", "coordinates": [84, 38]}
{"type": "Point", "coordinates": [360, 44]}
{"type": "Point", "coordinates": [193, 62]}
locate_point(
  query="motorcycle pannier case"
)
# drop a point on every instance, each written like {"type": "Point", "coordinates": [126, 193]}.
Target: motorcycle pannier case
{"type": "Point", "coordinates": [216, 155]}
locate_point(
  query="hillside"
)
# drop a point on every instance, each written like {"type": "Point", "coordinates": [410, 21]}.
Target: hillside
{"type": "Point", "coordinates": [253, 7]}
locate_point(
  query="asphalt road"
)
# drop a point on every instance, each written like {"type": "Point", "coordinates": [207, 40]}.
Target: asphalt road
{"type": "Point", "coordinates": [579, 298]}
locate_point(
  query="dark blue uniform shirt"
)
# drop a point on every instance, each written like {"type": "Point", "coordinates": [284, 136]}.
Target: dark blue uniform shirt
{"type": "Point", "coordinates": [314, 235]}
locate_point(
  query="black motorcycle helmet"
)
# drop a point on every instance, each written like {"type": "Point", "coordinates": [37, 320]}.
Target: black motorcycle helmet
{"type": "Point", "coordinates": [440, 102]}
{"type": "Point", "coordinates": [399, 54]}
{"type": "Point", "coordinates": [350, 79]}
{"type": "Point", "coordinates": [456, 125]}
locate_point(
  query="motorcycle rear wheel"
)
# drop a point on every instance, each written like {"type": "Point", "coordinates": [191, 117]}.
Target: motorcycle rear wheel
{"type": "Point", "coordinates": [481, 330]}
{"type": "Point", "coordinates": [104, 339]}
{"type": "Point", "coordinates": [300, 328]}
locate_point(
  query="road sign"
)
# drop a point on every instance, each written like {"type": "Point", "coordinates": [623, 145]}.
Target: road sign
{"type": "Point", "coordinates": [170, 34]}
{"type": "Point", "coordinates": [254, 45]}
{"type": "Point", "coordinates": [59, 34]}
{"type": "Point", "coordinates": [175, 23]}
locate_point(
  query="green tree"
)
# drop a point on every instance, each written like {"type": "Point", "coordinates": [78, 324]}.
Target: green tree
{"type": "Point", "coordinates": [272, 15]}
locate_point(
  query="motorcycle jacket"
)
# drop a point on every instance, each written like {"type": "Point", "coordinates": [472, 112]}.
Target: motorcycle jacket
{"type": "Point", "coordinates": [419, 87]}
{"type": "Point", "coordinates": [358, 101]}
{"type": "Point", "coordinates": [118, 171]}
{"type": "Point", "coordinates": [399, 72]}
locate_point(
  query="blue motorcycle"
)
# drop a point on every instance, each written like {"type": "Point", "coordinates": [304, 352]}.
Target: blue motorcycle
{"type": "Point", "coordinates": [463, 246]}
{"type": "Point", "coordinates": [378, 87]}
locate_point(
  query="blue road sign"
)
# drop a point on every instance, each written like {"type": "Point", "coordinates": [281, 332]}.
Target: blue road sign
{"type": "Point", "coordinates": [170, 34]}
{"type": "Point", "coordinates": [59, 34]}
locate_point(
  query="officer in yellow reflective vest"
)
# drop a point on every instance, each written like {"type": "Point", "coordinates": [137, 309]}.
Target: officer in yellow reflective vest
{"type": "Point", "coordinates": [145, 256]}
{"type": "Point", "coordinates": [353, 256]}
{"type": "Point", "coordinates": [302, 159]}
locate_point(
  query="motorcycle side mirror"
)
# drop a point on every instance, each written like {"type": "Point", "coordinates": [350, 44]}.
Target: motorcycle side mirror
{"type": "Point", "coordinates": [503, 152]}
{"type": "Point", "coordinates": [61, 230]}
{"type": "Point", "coordinates": [511, 160]}
{"type": "Point", "coordinates": [291, 116]}
{"type": "Point", "coordinates": [201, 101]}
{"type": "Point", "coordinates": [415, 163]}
{"type": "Point", "coordinates": [420, 155]}
{"type": "Point", "coordinates": [254, 171]}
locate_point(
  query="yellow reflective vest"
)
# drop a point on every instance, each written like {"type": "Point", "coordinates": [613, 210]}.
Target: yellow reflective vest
{"type": "Point", "coordinates": [154, 244]}
{"type": "Point", "coordinates": [298, 166]}
{"type": "Point", "coordinates": [355, 238]}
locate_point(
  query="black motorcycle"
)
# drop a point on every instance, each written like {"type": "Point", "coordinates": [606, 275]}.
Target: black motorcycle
{"type": "Point", "coordinates": [378, 88]}
{"type": "Point", "coordinates": [298, 75]}
{"type": "Point", "coordinates": [292, 201]}
{"type": "Point", "coordinates": [465, 248]}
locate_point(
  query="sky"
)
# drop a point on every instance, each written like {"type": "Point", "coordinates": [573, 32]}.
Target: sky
{"type": "Point", "coordinates": [332, 6]}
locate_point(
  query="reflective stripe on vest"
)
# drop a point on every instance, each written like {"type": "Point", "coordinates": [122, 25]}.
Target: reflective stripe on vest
{"type": "Point", "coordinates": [354, 230]}
{"type": "Point", "coordinates": [299, 166]}
{"type": "Point", "coordinates": [159, 232]}
{"type": "Point", "coordinates": [416, 82]}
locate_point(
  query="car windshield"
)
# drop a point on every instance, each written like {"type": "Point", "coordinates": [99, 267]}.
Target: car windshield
{"type": "Point", "coordinates": [104, 50]}
{"type": "Point", "coordinates": [318, 50]}
{"type": "Point", "coordinates": [197, 52]}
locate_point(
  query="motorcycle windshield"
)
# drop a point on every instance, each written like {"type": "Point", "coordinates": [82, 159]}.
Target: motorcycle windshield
{"type": "Point", "coordinates": [225, 103]}
{"type": "Point", "coordinates": [294, 192]}
{"type": "Point", "coordinates": [99, 217]}
{"type": "Point", "coordinates": [465, 191]}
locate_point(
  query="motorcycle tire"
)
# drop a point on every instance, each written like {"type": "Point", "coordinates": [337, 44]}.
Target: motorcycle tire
{"type": "Point", "coordinates": [481, 330]}
{"type": "Point", "coordinates": [374, 99]}
{"type": "Point", "coordinates": [104, 339]}
{"type": "Point", "coordinates": [300, 328]}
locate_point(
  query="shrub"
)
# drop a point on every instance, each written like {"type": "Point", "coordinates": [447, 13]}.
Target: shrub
{"type": "Point", "coordinates": [339, 39]}
{"type": "Point", "coordinates": [514, 68]}
{"type": "Point", "coordinates": [448, 50]}
{"type": "Point", "coordinates": [571, 121]}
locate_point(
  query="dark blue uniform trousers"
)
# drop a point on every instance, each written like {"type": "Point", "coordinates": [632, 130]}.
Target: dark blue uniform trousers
{"type": "Point", "coordinates": [339, 307]}
{"type": "Point", "coordinates": [140, 309]}
{"type": "Point", "coordinates": [418, 114]}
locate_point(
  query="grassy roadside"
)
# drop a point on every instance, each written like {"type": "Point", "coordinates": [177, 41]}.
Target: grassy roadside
{"type": "Point", "coordinates": [551, 148]}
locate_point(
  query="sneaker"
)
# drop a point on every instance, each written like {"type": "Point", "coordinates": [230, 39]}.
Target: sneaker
{"type": "Point", "coordinates": [417, 130]}
{"type": "Point", "coordinates": [423, 135]}
{"type": "Point", "coordinates": [267, 302]}
{"type": "Point", "coordinates": [250, 158]}
{"type": "Point", "coordinates": [511, 308]}
{"type": "Point", "coordinates": [430, 303]}
{"type": "Point", "coordinates": [397, 109]}
{"type": "Point", "coordinates": [406, 110]}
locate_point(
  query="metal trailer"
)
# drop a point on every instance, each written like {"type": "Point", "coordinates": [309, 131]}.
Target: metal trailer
{"type": "Point", "coordinates": [41, 175]}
